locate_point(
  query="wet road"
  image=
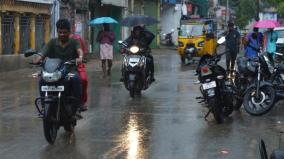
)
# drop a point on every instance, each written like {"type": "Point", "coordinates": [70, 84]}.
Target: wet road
{"type": "Point", "coordinates": [166, 122]}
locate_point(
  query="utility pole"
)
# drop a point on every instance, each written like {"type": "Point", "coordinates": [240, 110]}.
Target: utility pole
{"type": "Point", "coordinates": [55, 13]}
{"type": "Point", "coordinates": [257, 11]}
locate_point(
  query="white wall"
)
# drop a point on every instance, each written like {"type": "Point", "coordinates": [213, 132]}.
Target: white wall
{"type": "Point", "coordinates": [170, 19]}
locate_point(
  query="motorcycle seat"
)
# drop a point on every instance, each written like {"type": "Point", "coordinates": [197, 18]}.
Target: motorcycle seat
{"type": "Point", "coordinates": [277, 154]}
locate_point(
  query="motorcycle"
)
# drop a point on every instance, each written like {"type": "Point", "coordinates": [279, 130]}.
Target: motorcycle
{"type": "Point", "coordinates": [134, 69]}
{"type": "Point", "coordinates": [260, 96]}
{"type": "Point", "coordinates": [216, 90]}
{"type": "Point", "coordinates": [57, 105]}
{"type": "Point", "coordinates": [168, 38]}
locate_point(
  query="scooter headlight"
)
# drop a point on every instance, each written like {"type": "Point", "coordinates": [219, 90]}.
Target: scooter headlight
{"type": "Point", "coordinates": [134, 49]}
{"type": "Point", "coordinates": [51, 77]}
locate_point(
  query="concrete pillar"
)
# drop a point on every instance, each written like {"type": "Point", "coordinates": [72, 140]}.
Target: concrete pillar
{"type": "Point", "coordinates": [17, 33]}
{"type": "Point", "coordinates": [1, 47]}
{"type": "Point", "coordinates": [46, 29]}
{"type": "Point", "coordinates": [158, 25]}
{"type": "Point", "coordinates": [32, 33]}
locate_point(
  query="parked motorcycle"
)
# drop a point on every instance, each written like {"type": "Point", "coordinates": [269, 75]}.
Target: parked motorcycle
{"type": "Point", "coordinates": [56, 106]}
{"type": "Point", "coordinates": [216, 90]}
{"type": "Point", "coordinates": [260, 95]}
{"type": "Point", "coordinates": [168, 38]}
{"type": "Point", "coordinates": [134, 69]}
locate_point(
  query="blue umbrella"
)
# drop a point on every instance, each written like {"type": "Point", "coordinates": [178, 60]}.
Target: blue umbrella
{"type": "Point", "coordinates": [102, 20]}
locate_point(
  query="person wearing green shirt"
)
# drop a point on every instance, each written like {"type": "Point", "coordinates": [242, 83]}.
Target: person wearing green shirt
{"type": "Point", "coordinates": [65, 49]}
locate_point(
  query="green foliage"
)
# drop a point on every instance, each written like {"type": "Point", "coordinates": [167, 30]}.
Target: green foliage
{"type": "Point", "coordinates": [279, 5]}
{"type": "Point", "coordinates": [245, 11]}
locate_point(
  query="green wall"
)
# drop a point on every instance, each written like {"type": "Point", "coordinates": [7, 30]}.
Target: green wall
{"type": "Point", "coordinates": [151, 9]}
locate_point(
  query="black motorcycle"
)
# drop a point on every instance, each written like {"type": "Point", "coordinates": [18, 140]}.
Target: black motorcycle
{"type": "Point", "coordinates": [57, 105]}
{"type": "Point", "coordinates": [260, 95]}
{"type": "Point", "coordinates": [135, 73]}
{"type": "Point", "coordinates": [217, 92]}
{"type": "Point", "coordinates": [168, 38]}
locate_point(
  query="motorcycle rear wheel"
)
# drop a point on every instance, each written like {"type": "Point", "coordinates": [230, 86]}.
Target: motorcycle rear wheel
{"type": "Point", "coordinates": [263, 104]}
{"type": "Point", "coordinates": [50, 127]}
{"type": "Point", "coordinates": [216, 110]}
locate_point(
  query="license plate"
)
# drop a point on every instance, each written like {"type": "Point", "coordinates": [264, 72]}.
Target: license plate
{"type": "Point", "coordinates": [52, 88]}
{"type": "Point", "coordinates": [209, 85]}
{"type": "Point", "coordinates": [134, 60]}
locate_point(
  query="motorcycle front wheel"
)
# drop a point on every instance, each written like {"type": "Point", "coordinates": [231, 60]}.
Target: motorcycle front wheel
{"type": "Point", "coordinates": [131, 89]}
{"type": "Point", "coordinates": [50, 127]}
{"type": "Point", "coordinates": [259, 105]}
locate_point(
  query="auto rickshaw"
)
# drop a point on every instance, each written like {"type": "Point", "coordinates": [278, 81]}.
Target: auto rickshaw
{"type": "Point", "coordinates": [196, 38]}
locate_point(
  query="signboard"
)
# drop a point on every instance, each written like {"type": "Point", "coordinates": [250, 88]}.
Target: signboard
{"type": "Point", "coordinates": [38, 1]}
{"type": "Point", "coordinates": [119, 3]}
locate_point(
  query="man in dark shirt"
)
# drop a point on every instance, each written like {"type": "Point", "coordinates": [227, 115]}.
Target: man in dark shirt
{"type": "Point", "coordinates": [65, 49]}
{"type": "Point", "coordinates": [232, 47]}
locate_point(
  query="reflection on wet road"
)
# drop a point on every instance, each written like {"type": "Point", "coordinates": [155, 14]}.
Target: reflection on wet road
{"type": "Point", "coordinates": [166, 122]}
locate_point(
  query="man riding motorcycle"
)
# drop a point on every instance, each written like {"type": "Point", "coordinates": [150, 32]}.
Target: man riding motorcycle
{"type": "Point", "coordinates": [65, 49]}
{"type": "Point", "coordinates": [143, 38]}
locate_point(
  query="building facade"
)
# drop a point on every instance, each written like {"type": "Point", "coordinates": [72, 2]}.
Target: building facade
{"type": "Point", "coordinates": [77, 12]}
{"type": "Point", "coordinates": [24, 24]}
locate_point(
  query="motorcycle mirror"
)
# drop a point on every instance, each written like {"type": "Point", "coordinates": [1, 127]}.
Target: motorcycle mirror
{"type": "Point", "coordinates": [221, 40]}
{"type": "Point", "coordinates": [29, 52]}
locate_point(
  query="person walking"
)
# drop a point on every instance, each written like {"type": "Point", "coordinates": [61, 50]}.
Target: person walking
{"type": "Point", "coordinates": [271, 38]}
{"type": "Point", "coordinates": [232, 47]}
{"type": "Point", "coordinates": [106, 39]}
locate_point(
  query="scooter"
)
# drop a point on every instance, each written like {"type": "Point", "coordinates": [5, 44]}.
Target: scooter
{"type": "Point", "coordinates": [134, 69]}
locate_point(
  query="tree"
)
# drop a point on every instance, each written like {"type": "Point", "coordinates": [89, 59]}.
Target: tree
{"type": "Point", "coordinates": [279, 5]}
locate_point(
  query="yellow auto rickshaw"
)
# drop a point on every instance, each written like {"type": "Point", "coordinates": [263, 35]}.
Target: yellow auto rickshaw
{"type": "Point", "coordinates": [196, 38]}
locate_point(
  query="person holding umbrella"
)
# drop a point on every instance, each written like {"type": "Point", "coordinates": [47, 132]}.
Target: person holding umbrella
{"type": "Point", "coordinates": [106, 39]}
{"type": "Point", "coordinates": [270, 37]}
{"type": "Point", "coordinates": [143, 38]}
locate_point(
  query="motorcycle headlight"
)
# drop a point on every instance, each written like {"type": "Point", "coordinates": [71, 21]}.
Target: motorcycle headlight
{"type": "Point", "coordinates": [134, 49]}
{"type": "Point", "coordinates": [51, 77]}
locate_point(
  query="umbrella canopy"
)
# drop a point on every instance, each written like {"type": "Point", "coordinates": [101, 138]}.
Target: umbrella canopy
{"type": "Point", "coordinates": [266, 24]}
{"type": "Point", "coordinates": [102, 20]}
{"type": "Point", "coordinates": [138, 20]}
